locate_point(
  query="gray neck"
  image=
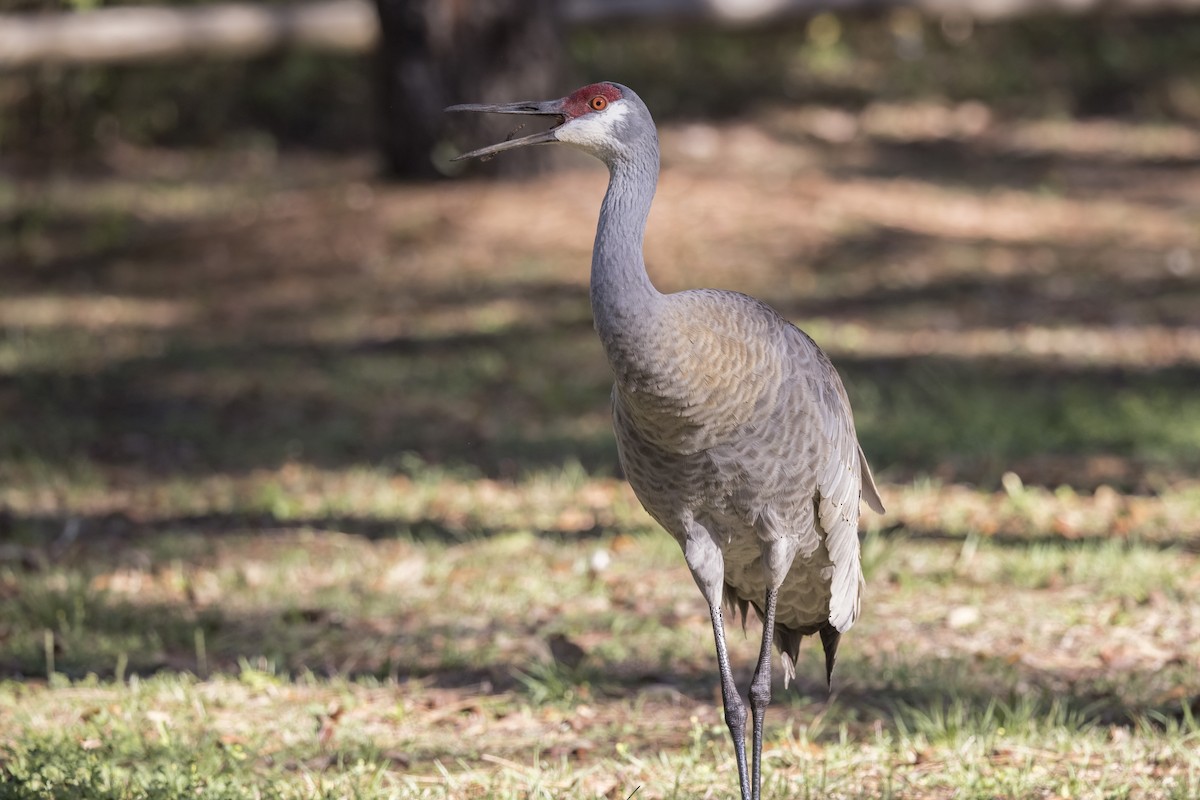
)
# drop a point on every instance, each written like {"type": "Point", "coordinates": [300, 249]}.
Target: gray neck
{"type": "Point", "coordinates": [622, 295]}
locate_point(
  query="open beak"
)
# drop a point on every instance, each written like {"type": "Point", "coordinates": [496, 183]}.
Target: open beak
{"type": "Point", "coordinates": [548, 108]}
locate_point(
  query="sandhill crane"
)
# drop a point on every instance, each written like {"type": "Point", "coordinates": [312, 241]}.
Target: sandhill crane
{"type": "Point", "coordinates": [732, 426]}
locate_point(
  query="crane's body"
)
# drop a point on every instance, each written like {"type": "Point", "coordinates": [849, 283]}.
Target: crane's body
{"type": "Point", "coordinates": [732, 426]}
{"type": "Point", "coordinates": [736, 436]}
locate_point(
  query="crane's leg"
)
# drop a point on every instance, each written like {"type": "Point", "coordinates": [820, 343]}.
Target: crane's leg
{"type": "Point", "coordinates": [760, 691]}
{"type": "Point", "coordinates": [735, 710]}
{"type": "Point", "coordinates": [704, 558]}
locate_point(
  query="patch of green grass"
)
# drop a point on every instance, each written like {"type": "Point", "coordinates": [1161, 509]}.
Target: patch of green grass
{"type": "Point", "coordinates": [986, 420]}
{"type": "Point", "coordinates": [102, 759]}
{"type": "Point", "coordinates": [173, 738]}
{"type": "Point", "coordinates": [938, 680]}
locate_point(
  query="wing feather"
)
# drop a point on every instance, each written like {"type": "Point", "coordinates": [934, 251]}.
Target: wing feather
{"type": "Point", "coordinates": [843, 480]}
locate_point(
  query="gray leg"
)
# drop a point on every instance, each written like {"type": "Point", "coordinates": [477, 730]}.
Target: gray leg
{"type": "Point", "coordinates": [735, 710]}
{"type": "Point", "coordinates": [760, 690]}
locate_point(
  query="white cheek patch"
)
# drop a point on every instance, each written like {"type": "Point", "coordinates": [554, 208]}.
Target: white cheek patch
{"type": "Point", "coordinates": [594, 130]}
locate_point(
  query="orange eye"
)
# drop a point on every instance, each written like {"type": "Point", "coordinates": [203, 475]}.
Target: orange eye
{"type": "Point", "coordinates": [598, 103]}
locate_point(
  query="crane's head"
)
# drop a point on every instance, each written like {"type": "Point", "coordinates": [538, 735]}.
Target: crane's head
{"type": "Point", "coordinates": [602, 119]}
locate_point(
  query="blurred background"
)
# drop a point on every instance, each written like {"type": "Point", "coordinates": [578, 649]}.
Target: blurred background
{"type": "Point", "coordinates": [990, 215]}
{"type": "Point", "coordinates": [280, 385]}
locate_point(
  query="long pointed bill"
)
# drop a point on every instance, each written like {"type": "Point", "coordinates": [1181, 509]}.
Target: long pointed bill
{"type": "Point", "coordinates": [548, 108]}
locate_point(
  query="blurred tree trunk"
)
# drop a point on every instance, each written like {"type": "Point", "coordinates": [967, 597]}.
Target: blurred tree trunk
{"type": "Point", "coordinates": [434, 53]}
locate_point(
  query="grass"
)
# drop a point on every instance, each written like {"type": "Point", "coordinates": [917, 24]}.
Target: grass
{"type": "Point", "coordinates": [396, 666]}
{"type": "Point", "coordinates": [308, 487]}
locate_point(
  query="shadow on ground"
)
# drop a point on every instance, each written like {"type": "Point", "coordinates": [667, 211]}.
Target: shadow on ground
{"type": "Point", "coordinates": [868, 689]}
{"type": "Point", "coordinates": [515, 402]}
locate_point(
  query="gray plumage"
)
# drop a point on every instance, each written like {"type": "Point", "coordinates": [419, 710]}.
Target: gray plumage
{"type": "Point", "coordinates": [732, 426]}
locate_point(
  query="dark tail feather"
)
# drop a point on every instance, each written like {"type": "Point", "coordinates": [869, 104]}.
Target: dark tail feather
{"type": "Point", "coordinates": [739, 607]}
{"type": "Point", "coordinates": [830, 636]}
{"type": "Point", "coordinates": [787, 640]}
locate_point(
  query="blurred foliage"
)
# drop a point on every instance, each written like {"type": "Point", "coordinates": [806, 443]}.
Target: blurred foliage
{"type": "Point", "coordinates": [1029, 66]}
{"type": "Point", "coordinates": [296, 98]}
{"type": "Point", "coordinates": [22, 6]}
{"type": "Point", "coordinates": [1068, 66]}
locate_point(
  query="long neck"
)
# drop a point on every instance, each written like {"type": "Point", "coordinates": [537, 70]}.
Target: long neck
{"type": "Point", "coordinates": [622, 295]}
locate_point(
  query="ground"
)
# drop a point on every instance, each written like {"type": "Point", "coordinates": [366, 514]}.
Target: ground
{"type": "Point", "coordinates": [307, 486]}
